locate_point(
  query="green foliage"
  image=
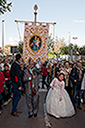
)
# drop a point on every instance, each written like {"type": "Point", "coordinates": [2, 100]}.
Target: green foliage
{"type": "Point", "coordinates": [20, 48]}
{"type": "Point", "coordinates": [64, 50]}
{"type": "Point", "coordinates": [82, 50]}
{"type": "Point", "coordinates": [70, 46]}
{"type": "Point", "coordinates": [83, 63]}
{"type": "Point", "coordinates": [4, 6]}
{"type": "Point", "coordinates": [76, 50]}
{"type": "Point", "coordinates": [58, 47]}
{"type": "Point", "coordinates": [50, 44]}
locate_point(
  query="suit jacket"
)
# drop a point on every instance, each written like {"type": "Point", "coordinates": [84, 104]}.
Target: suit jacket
{"type": "Point", "coordinates": [27, 78]}
{"type": "Point", "coordinates": [16, 73]}
{"type": "Point", "coordinates": [74, 75]}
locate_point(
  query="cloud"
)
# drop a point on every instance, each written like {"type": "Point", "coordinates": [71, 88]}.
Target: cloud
{"type": "Point", "coordinates": [12, 41]}
{"type": "Point", "coordinates": [79, 21]}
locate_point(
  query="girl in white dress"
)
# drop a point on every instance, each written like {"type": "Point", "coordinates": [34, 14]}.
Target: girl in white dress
{"type": "Point", "coordinates": [58, 102]}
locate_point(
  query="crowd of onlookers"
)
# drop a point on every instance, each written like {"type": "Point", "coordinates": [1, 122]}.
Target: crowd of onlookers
{"type": "Point", "coordinates": [5, 82]}
{"type": "Point", "coordinates": [74, 77]}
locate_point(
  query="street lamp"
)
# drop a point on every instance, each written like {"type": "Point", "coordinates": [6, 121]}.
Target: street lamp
{"type": "Point", "coordinates": [77, 53]}
{"type": "Point", "coordinates": [35, 13]}
{"type": "Point", "coordinates": [54, 30]}
{"type": "Point", "coordinates": [3, 37]}
{"type": "Point", "coordinates": [75, 38]}
{"type": "Point", "coordinates": [71, 49]}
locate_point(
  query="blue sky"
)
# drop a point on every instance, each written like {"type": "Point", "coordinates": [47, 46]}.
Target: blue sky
{"type": "Point", "coordinates": [69, 14]}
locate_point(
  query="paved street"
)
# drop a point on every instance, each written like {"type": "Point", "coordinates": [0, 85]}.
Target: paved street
{"type": "Point", "coordinates": [78, 121]}
{"type": "Point", "coordinates": [8, 121]}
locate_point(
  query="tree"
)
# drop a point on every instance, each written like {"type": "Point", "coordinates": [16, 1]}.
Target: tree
{"type": "Point", "coordinates": [70, 46]}
{"type": "Point", "coordinates": [20, 48]}
{"type": "Point", "coordinates": [50, 44]}
{"type": "Point", "coordinates": [50, 47]}
{"type": "Point", "coordinates": [60, 42]}
{"type": "Point", "coordinates": [75, 49]}
{"type": "Point", "coordinates": [4, 6]}
{"type": "Point", "coordinates": [54, 46]}
{"type": "Point", "coordinates": [82, 50]}
{"type": "Point", "coordinates": [64, 50]}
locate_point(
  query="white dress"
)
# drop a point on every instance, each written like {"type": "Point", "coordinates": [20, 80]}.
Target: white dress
{"type": "Point", "coordinates": [54, 106]}
{"type": "Point", "coordinates": [83, 83]}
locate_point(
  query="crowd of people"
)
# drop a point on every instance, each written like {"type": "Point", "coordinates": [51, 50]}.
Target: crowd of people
{"type": "Point", "coordinates": [65, 84]}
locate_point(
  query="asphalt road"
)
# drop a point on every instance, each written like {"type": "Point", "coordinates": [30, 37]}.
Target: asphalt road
{"type": "Point", "coordinates": [43, 120]}
{"type": "Point", "coordinates": [8, 121]}
{"type": "Point", "coordinates": [77, 121]}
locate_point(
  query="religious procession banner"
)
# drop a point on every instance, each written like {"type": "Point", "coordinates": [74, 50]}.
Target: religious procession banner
{"type": "Point", "coordinates": [35, 42]}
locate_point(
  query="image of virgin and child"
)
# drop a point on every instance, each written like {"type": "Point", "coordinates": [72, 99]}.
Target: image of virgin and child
{"type": "Point", "coordinates": [35, 43]}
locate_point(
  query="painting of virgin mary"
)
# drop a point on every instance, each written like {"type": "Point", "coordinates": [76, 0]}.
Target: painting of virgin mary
{"type": "Point", "coordinates": [35, 43]}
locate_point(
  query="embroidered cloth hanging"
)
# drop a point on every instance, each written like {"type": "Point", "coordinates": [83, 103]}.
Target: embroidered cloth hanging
{"type": "Point", "coordinates": [35, 42]}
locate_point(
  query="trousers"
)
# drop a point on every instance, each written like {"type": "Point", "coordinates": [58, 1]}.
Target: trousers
{"type": "Point", "coordinates": [16, 97]}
